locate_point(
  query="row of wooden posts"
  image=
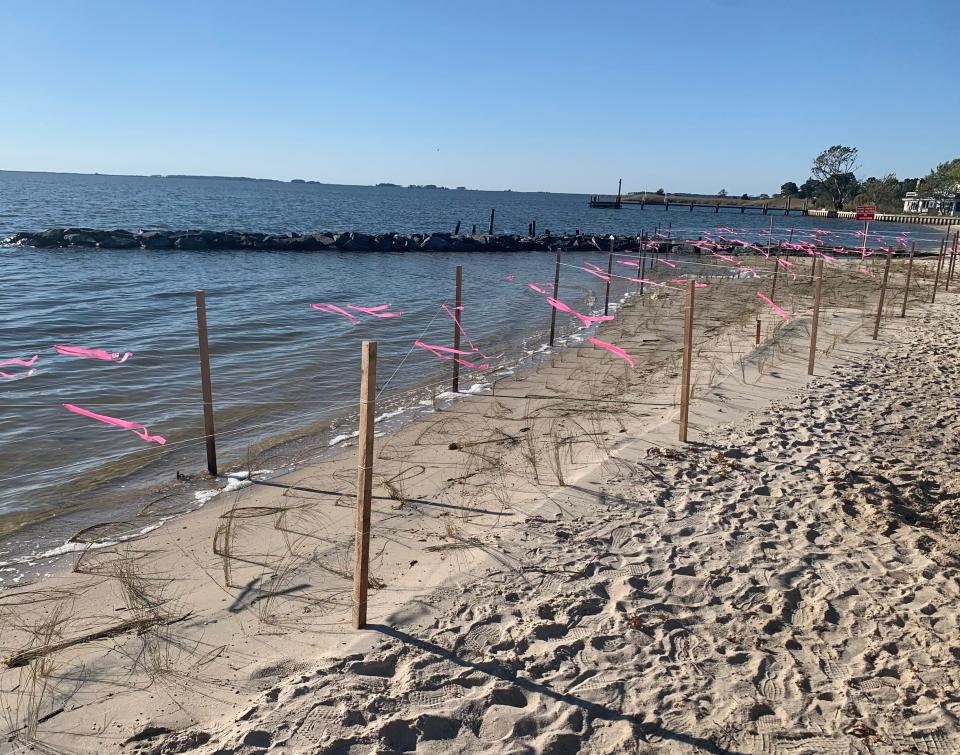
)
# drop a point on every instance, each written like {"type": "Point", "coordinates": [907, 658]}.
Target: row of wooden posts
{"type": "Point", "coordinates": [368, 379]}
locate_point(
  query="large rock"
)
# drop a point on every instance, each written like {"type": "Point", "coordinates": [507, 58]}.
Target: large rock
{"type": "Point", "coordinates": [191, 242]}
{"type": "Point", "coordinates": [355, 242]}
{"type": "Point", "coordinates": [435, 243]}
{"type": "Point", "coordinates": [155, 239]}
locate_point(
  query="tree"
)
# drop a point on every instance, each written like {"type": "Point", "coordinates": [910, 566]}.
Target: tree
{"type": "Point", "coordinates": [789, 189]}
{"type": "Point", "coordinates": [809, 190]}
{"type": "Point", "coordinates": [722, 193]}
{"type": "Point", "coordinates": [834, 168]}
{"type": "Point", "coordinates": [744, 196]}
{"type": "Point", "coordinates": [884, 192]}
{"type": "Point", "coordinates": [942, 183]}
{"type": "Point", "coordinates": [660, 192]}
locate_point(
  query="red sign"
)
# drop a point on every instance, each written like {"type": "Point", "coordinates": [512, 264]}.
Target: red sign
{"type": "Point", "coordinates": [867, 212]}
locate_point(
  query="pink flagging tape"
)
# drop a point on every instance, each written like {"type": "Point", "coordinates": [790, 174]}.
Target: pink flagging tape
{"type": "Point", "coordinates": [20, 362]}
{"type": "Point", "coordinates": [866, 271]}
{"type": "Point", "coordinates": [776, 309]}
{"type": "Point", "coordinates": [76, 351]}
{"type": "Point", "coordinates": [510, 278]}
{"type": "Point", "coordinates": [613, 349]}
{"type": "Point", "coordinates": [138, 429]}
{"type": "Point", "coordinates": [585, 319]}
{"type": "Point", "coordinates": [377, 311]}
{"type": "Point", "coordinates": [539, 290]}
{"type": "Point", "coordinates": [333, 309]}
{"type": "Point", "coordinates": [665, 262]}
{"type": "Point", "coordinates": [452, 355]}
{"type": "Point", "coordinates": [17, 375]}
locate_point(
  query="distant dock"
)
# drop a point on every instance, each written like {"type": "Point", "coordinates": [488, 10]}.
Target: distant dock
{"type": "Point", "coordinates": [599, 201]}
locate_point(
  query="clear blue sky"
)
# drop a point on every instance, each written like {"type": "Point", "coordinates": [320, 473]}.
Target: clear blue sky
{"type": "Point", "coordinates": [561, 95]}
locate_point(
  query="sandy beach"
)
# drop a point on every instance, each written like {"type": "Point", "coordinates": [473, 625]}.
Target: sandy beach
{"type": "Point", "coordinates": [552, 571]}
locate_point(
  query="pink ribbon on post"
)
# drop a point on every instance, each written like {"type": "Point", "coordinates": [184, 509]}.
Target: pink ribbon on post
{"type": "Point", "coordinates": [138, 429]}
{"type": "Point", "coordinates": [776, 309]}
{"type": "Point", "coordinates": [613, 349]}
{"type": "Point", "coordinates": [76, 351]}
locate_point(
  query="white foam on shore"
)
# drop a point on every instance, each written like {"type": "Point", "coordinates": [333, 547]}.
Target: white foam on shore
{"type": "Point", "coordinates": [235, 481]}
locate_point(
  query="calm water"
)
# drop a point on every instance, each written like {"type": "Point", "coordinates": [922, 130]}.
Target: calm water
{"type": "Point", "coordinates": [279, 368]}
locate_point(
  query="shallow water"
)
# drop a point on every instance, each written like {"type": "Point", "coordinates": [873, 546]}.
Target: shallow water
{"type": "Point", "coordinates": [279, 368]}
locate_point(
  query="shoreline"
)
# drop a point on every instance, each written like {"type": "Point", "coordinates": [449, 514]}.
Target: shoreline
{"type": "Point", "coordinates": [440, 514]}
{"type": "Point", "coordinates": [110, 524]}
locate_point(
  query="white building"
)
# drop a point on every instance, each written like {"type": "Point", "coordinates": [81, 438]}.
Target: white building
{"type": "Point", "coordinates": [940, 203]}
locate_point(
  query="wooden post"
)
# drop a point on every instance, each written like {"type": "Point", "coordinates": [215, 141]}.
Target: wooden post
{"type": "Point", "coordinates": [953, 259]}
{"type": "Point", "coordinates": [936, 278]}
{"type": "Point", "coordinates": [883, 292]}
{"type": "Point", "coordinates": [642, 263]}
{"type": "Point", "coordinates": [556, 290]}
{"type": "Point", "coordinates": [361, 544]}
{"type": "Point", "coordinates": [687, 359]}
{"type": "Point", "coordinates": [906, 291]}
{"type": "Point", "coordinates": [606, 298]}
{"type": "Point", "coordinates": [205, 386]}
{"type": "Point", "coordinates": [456, 231]}
{"type": "Point", "coordinates": [533, 227]}
{"type": "Point", "coordinates": [816, 318]}
{"type": "Point", "coordinates": [776, 272]}
{"type": "Point", "coordinates": [866, 232]}
{"type": "Point", "coordinates": [757, 338]}
{"type": "Point", "coordinates": [458, 315]}
{"type": "Point", "coordinates": [492, 213]}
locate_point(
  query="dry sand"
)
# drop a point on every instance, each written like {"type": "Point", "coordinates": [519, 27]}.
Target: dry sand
{"type": "Point", "coordinates": [567, 578]}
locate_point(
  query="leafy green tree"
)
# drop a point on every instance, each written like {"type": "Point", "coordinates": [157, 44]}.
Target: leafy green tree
{"type": "Point", "coordinates": [884, 192]}
{"type": "Point", "coordinates": [660, 192]}
{"type": "Point", "coordinates": [722, 193]}
{"type": "Point", "coordinates": [789, 189]}
{"type": "Point", "coordinates": [809, 190]}
{"type": "Point", "coordinates": [945, 178]}
{"type": "Point", "coordinates": [744, 196]}
{"type": "Point", "coordinates": [834, 168]}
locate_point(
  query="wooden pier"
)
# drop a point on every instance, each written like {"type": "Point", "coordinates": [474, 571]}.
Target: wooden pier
{"type": "Point", "coordinates": [615, 203]}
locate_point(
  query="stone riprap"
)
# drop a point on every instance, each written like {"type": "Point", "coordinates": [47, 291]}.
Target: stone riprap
{"type": "Point", "coordinates": [314, 242]}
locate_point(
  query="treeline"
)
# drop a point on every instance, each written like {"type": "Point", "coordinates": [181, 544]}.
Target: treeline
{"type": "Point", "coordinates": [833, 183]}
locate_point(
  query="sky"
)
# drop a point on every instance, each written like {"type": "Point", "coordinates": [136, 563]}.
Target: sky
{"type": "Point", "coordinates": [532, 95]}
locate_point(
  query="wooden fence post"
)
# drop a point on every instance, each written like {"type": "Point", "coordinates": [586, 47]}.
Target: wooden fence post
{"type": "Point", "coordinates": [687, 359]}
{"type": "Point", "coordinates": [776, 272]}
{"type": "Point", "coordinates": [936, 278]}
{"type": "Point", "coordinates": [361, 551]}
{"type": "Point", "coordinates": [457, 318]}
{"type": "Point", "coordinates": [816, 318]}
{"type": "Point", "coordinates": [642, 264]}
{"type": "Point", "coordinates": [883, 292]}
{"type": "Point", "coordinates": [906, 291]}
{"type": "Point", "coordinates": [757, 337]}
{"type": "Point", "coordinates": [205, 386]}
{"type": "Point", "coordinates": [606, 298]}
{"type": "Point", "coordinates": [556, 290]}
{"type": "Point", "coordinates": [492, 213]}
{"type": "Point", "coordinates": [953, 259]}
